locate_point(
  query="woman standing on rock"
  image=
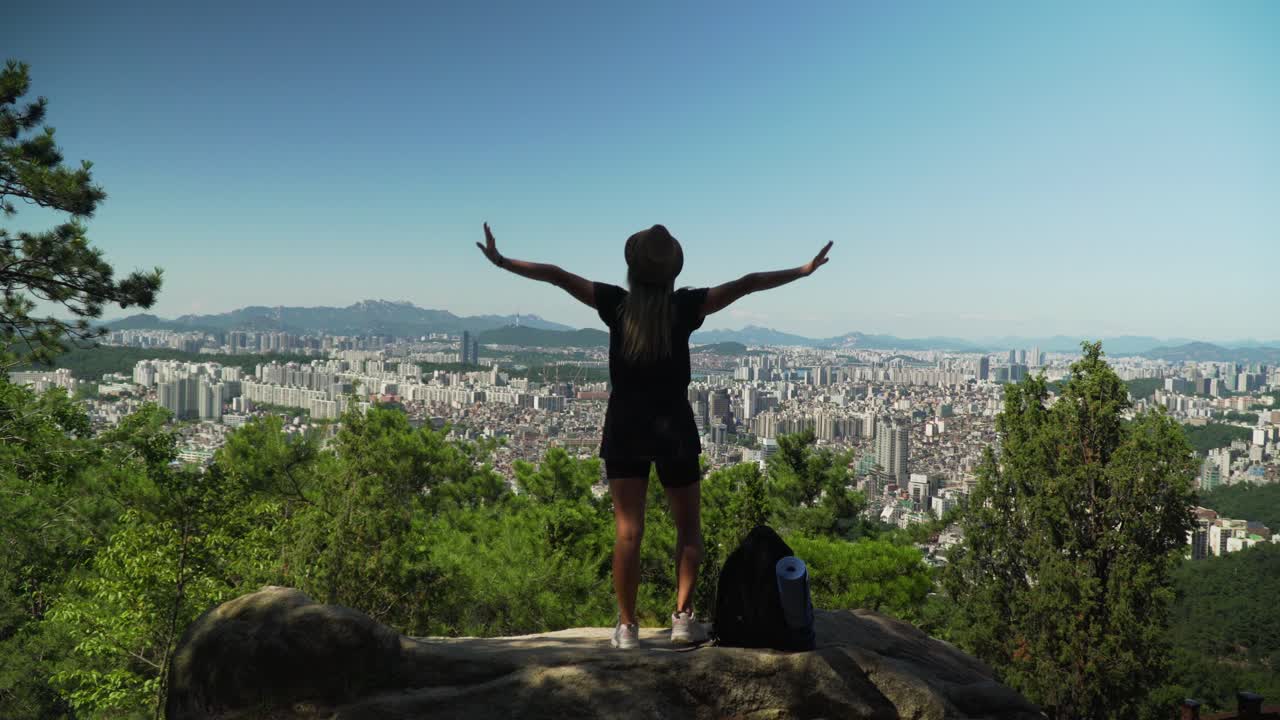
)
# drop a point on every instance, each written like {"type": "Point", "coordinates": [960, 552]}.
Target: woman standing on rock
{"type": "Point", "coordinates": [649, 419]}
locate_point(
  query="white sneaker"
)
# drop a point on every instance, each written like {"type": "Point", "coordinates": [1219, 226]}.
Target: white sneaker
{"type": "Point", "coordinates": [625, 637]}
{"type": "Point", "coordinates": [685, 630]}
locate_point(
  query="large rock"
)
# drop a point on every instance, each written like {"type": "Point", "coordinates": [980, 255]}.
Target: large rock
{"type": "Point", "coordinates": [277, 654]}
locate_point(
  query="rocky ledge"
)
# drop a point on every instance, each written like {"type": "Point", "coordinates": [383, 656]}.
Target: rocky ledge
{"type": "Point", "coordinates": [277, 654]}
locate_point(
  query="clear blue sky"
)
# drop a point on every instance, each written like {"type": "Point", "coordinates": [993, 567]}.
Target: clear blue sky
{"type": "Point", "coordinates": [984, 168]}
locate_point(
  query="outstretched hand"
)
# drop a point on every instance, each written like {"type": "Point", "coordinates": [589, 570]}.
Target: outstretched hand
{"type": "Point", "coordinates": [490, 247]}
{"type": "Point", "coordinates": [818, 260]}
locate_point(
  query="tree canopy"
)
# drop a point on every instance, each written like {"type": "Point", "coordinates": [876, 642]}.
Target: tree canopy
{"type": "Point", "coordinates": [402, 523]}
{"type": "Point", "coordinates": [1246, 501]}
{"type": "Point", "coordinates": [57, 267]}
{"type": "Point", "coordinates": [1063, 581]}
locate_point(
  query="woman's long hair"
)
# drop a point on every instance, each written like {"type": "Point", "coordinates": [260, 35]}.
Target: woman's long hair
{"type": "Point", "coordinates": [646, 316]}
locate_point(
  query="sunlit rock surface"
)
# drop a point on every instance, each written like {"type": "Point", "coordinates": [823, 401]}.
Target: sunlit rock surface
{"type": "Point", "coordinates": [277, 654]}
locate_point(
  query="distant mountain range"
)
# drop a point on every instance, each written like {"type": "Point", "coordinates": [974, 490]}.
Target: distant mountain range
{"type": "Point", "coordinates": [1202, 352]}
{"type": "Point", "coordinates": [368, 317]}
{"type": "Point", "coordinates": [1173, 350]}
{"type": "Point", "coordinates": [750, 335]}
{"type": "Point", "coordinates": [404, 319]}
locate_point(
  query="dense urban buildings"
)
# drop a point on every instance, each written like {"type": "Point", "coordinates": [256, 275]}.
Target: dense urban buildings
{"type": "Point", "coordinates": [914, 423]}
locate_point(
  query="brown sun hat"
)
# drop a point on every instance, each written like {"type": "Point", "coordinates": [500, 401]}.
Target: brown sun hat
{"type": "Point", "coordinates": [654, 256]}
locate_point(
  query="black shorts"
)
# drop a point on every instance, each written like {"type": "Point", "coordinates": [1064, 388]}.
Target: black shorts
{"type": "Point", "coordinates": [673, 472]}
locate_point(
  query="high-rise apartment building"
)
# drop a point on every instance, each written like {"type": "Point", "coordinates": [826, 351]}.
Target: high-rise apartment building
{"type": "Point", "coordinates": [209, 398]}
{"type": "Point", "coordinates": [718, 433]}
{"type": "Point", "coordinates": [750, 403]}
{"type": "Point", "coordinates": [824, 426]}
{"type": "Point", "coordinates": [893, 450]}
{"type": "Point", "coordinates": [869, 422]}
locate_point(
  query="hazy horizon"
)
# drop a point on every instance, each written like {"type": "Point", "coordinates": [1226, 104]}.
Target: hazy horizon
{"type": "Point", "coordinates": [1275, 342]}
{"type": "Point", "coordinates": [984, 171]}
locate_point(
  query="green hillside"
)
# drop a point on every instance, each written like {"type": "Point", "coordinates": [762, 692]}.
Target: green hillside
{"type": "Point", "coordinates": [722, 348]}
{"type": "Point", "coordinates": [1225, 627]}
{"type": "Point", "coordinates": [536, 337]}
{"type": "Point", "coordinates": [1246, 502]}
{"type": "Point", "coordinates": [1144, 387]}
{"type": "Point", "coordinates": [1214, 435]}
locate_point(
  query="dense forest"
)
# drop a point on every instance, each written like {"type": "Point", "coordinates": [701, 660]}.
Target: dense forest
{"type": "Point", "coordinates": [1143, 388]}
{"type": "Point", "coordinates": [1204, 438]}
{"type": "Point", "coordinates": [1225, 627]}
{"type": "Point", "coordinates": [1246, 501]}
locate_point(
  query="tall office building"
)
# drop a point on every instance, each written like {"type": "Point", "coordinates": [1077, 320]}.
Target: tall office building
{"type": "Point", "coordinates": [983, 369]}
{"type": "Point", "coordinates": [1033, 358]}
{"type": "Point", "coordinates": [467, 354]}
{"type": "Point", "coordinates": [475, 351]}
{"type": "Point", "coordinates": [1017, 372]}
{"type": "Point", "coordinates": [700, 414]}
{"type": "Point", "coordinates": [1013, 356]}
{"type": "Point", "coordinates": [719, 405]}
{"type": "Point", "coordinates": [893, 450]}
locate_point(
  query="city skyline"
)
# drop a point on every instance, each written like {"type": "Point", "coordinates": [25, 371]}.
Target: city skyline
{"type": "Point", "coordinates": [1092, 170]}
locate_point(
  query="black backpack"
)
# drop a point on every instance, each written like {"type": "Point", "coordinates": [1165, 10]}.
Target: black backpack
{"type": "Point", "coordinates": [748, 609]}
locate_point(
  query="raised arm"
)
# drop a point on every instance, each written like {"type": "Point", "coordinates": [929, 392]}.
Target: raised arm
{"type": "Point", "coordinates": [575, 285]}
{"type": "Point", "coordinates": [722, 296]}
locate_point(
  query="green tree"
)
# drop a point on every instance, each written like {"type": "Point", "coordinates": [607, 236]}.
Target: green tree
{"type": "Point", "coordinates": [1226, 626]}
{"type": "Point", "coordinates": [534, 561]}
{"type": "Point", "coordinates": [1204, 438]}
{"type": "Point", "coordinates": [180, 541]}
{"type": "Point", "coordinates": [51, 519]}
{"type": "Point", "coordinates": [810, 489]}
{"type": "Point", "coordinates": [1062, 582]}
{"type": "Point", "coordinates": [1247, 501]}
{"type": "Point", "coordinates": [872, 574]}
{"type": "Point", "coordinates": [356, 542]}
{"type": "Point", "coordinates": [557, 477]}
{"type": "Point", "coordinates": [57, 266]}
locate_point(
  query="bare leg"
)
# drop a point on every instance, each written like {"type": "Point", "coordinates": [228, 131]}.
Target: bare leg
{"type": "Point", "coordinates": [628, 517]}
{"type": "Point", "coordinates": [686, 513]}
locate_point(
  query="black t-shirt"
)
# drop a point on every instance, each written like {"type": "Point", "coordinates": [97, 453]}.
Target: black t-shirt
{"type": "Point", "coordinates": [649, 413]}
